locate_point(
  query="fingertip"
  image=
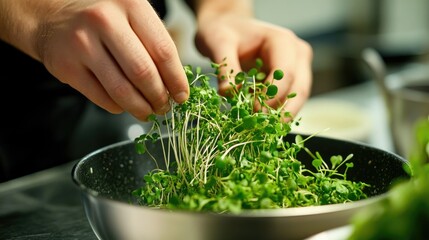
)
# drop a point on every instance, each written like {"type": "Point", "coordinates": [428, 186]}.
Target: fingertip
{"type": "Point", "coordinates": [163, 110]}
{"type": "Point", "coordinates": [181, 97]}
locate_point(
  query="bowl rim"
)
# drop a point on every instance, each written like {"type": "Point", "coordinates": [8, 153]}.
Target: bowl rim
{"type": "Point", "coordinates": [246, 213]}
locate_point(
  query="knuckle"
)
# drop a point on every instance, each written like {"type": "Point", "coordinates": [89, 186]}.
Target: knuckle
{"type": "Point", "coordinates": [141, 71]}
{"type": "Point", "coordinates": [160, 102]}
{"type": "Point", "coordinates": [287, 33]}
{"type": "Point", "coordinates": [290, 76]}
{"type": "Point", "coordinates": [306, 48]}
{"type": "Point", "coordinates": [121, 92]}
{"type": "Point", "coordinates": [80, 41]}
{"type": "Point", "coordinates": [304, 92]}
{"type": "Point", "coordinates": [164, 51]}
{"type": "Point", "coordinates": [98, 14]}
{"type": "Point", "coordinates": [303, 46]}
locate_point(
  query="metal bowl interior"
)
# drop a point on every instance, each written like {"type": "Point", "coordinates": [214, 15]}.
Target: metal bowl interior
{"type": "Point", "coordinates": [107, 177]}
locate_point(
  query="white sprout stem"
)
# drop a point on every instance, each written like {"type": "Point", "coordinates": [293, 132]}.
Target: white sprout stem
{"type": "Point", "coordinates": [237, 145]}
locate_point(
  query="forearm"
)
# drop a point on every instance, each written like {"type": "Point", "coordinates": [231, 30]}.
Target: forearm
{"type": "Point", "coordinates": [20, 22]}
{"type": "Point", "coordinates": [210, 9]}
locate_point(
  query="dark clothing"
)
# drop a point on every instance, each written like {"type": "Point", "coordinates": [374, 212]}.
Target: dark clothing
{"type": "Point", "coordinates": [45, 122]}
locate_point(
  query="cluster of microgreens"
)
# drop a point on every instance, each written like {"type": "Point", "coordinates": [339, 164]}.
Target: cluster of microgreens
{"type": "Point", "coordinates": [229, 156]}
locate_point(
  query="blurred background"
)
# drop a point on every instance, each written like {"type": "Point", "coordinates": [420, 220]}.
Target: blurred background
{"type": "Point", "coordinates": [337, 29]}
{"type": "Point", "coordinates": [344, 98]}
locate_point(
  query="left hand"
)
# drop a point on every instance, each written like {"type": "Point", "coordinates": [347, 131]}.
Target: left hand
{"type": "Point", "coordinates": [243, 39]}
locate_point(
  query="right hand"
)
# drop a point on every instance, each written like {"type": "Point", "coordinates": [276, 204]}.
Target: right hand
{"type": "Point", "coordinates": [115, 52]}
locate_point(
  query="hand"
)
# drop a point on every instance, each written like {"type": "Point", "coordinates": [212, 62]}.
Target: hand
{"type": "Point", "coordinates": [243, 39]}
{"type": "Point", "coordinates": [115, 52]}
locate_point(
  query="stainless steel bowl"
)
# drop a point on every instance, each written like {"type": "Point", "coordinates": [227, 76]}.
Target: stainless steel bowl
{"type": "Point", "coordinates": [107, 177]}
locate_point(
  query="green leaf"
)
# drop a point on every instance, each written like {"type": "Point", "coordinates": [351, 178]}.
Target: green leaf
{"type": "Point", "coordinates": [210, 183]}
{"type": "Point", "coordinates": [140, 148]}
{"type": "Point", "coordinates": [249, 122]}
{"type": "Point", "coordinates": [262, 177]}
{"type": "Point", "coordinates": [259, 63]}
{"type": "Point", "coordinates": [317, 163]}
{"type": "Point", "coordinates": [148, 178]}
{"type": "Point", "coordinates": [291, 95]}
{"type": "Point", "coordinates": [240, 78]}
{"type": "Point", "coordinates": [252, 72]}
{"type": "Point", "coordinates": [350, 165]}
{"type": "Point", "coordinates": [278, 74]}
{"type": "Point", "coordinates": [296, 166]}
{"type": "Point", "coordinates": [336, 160]}
{"type": "Point", "coordinates": [260, 76]}
{"type": "Point", "coordinates": [272, 90]}
{"type": "Point", "coordinates": [341, 189]}
{"type": "Point", "coordinates": [152, 118]}
{"type": "Point", "coordinates": [291, 184]}
{"type": "Point", "coordinates": [299, 141]}
{"type": "Point", "coordinates": [220, 162]}
{"type": "Point", "coordinates": [189, 73]}
{"type": "Point", "coordinates": [155, 137]}
{"type": "Point", "coordinates": [265, 156]}
{"type": "Point", "coordinates": [237, 112]}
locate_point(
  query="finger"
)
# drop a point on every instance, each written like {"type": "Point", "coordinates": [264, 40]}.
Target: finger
{"type": "Point", "coordinates": [156, 39]}
{"type": "Point", "coordinates": [139, 74]}
{"type": "Point", "coordinates": [226, 52]}
{"type": "Point", "coordinates": [119, 88]}
{"type": "Point", "coordinates": [86, 83]}
{"type": "Point", "coordinates": [303, 80]}
{"type": "Point", "coordinates": [75, 72]}
{"type": "Point", "coordinates": [110, 76]}
{"type": "Point", "coordinates": [298, 79]}
{"type": "Point", "coordinates": [284, 60]}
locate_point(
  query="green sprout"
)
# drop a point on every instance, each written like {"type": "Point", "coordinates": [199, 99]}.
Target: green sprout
{"type": "Point", "coordinates": [222, 155]}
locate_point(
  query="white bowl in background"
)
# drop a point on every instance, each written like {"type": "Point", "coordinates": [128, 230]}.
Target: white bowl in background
{"type": "Point", "coordinates": [334, 118]}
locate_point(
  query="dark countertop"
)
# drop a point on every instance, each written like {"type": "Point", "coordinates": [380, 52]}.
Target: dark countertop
{"type": "Point", "coordinates": [44, 205]}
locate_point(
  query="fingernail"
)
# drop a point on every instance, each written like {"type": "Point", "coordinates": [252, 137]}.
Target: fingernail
{"type": "Point", "coordinates": [181, 97]}
{"type": "Point", "coordinates": [164, 109]}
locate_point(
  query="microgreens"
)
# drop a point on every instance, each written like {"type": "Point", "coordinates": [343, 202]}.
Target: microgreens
{"type": "Point", "coordinates": [229, 156]}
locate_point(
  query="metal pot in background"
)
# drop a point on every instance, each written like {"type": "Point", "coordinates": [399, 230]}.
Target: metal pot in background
{"type": "Point", "coordinates": [406, 96]}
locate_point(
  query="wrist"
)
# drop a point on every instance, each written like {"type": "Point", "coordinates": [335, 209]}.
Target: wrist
{"type": "Point", "coordinates": [20, 24]}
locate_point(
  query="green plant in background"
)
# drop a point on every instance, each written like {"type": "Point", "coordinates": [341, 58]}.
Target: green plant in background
{"type": "Point", "coordinates": [229, 156]}
{"type": "Point", "coordinates": [404, 214]}
{"type": "Point", "coordinates": [420, 154]}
